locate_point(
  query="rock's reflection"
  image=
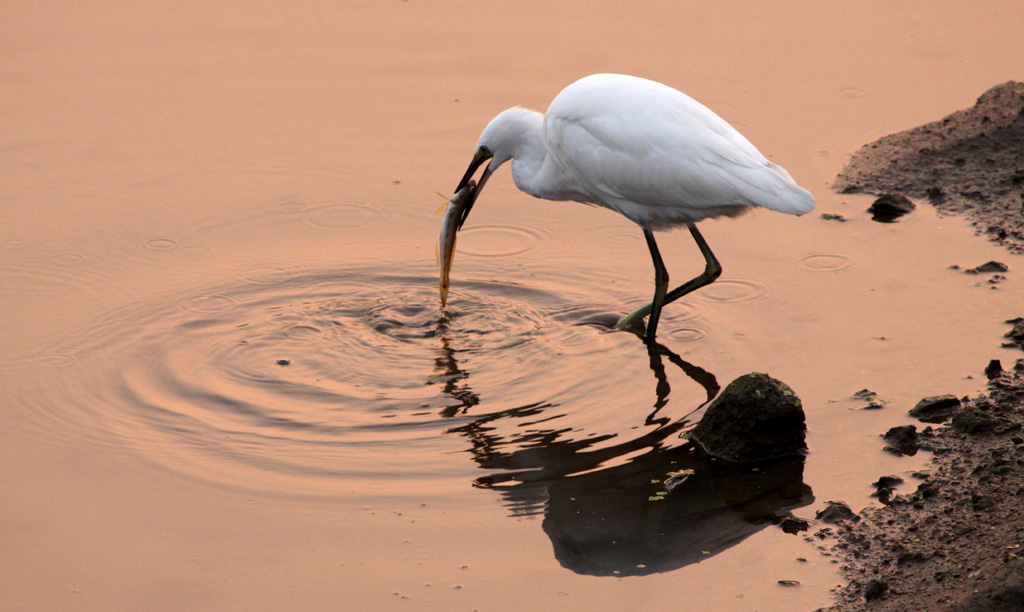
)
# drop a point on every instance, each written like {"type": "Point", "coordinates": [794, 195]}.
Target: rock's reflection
{"type": "Point", "coordinates": [624, 520]}
{"type": "Point", "coordinates": [615, 522]}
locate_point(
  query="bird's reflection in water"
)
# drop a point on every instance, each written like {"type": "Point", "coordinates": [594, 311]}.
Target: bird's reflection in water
{"type": "Point", "coordinates": [450, 377]}
{"type": "Point", "coordinates": [644, 514]}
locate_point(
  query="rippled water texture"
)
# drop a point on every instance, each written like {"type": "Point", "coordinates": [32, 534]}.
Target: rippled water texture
{"type": "Point", "coordinates": [227, 380]}
{"type": "Point", "coordinates": [320, 383]}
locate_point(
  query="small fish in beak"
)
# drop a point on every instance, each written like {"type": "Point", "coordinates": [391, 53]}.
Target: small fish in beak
{"type": "Point", "coordinates": [454, 215]}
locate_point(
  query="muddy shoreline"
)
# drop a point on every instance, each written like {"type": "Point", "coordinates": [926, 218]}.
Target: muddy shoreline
{"type": "Point", "coordinates": [951, 537]}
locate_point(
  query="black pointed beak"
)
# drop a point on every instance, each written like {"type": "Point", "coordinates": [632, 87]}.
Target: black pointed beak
{"type": "Point", "coordinates": [481, 157]}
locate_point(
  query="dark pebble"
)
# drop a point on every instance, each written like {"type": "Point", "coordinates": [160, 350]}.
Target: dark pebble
{"type": "Point", "coordinates": [890, 207]}
{"type": "Point", "coordinates": [874, 590]}
{"type": "Point", "coordinates": [910, 557]}
{"type": "Point", "coordinates": [990, 266]}
{"type": "Point", "coordinates": [927, 490]}
{"type": "Point", "coordinates": [982, 502]}
{"type": "Point", "coordinates": [835, 512]}
{"type": "Point", "coordinates": [902, 440]}
{"type": "Point", "coordinates": [936, 408]}
{"type": "Point", "coordinates": [974, 421]}
{"type": "Point", "coordinates": [887, 482]}
{"type": "Point", "coordinates": [1017, 333]}
{"type": "Point", "coordinates": [793, 525]}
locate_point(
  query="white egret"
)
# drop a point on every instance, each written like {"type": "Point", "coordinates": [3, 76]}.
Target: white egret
{"type": "Point", "coordinates": [642, 149]}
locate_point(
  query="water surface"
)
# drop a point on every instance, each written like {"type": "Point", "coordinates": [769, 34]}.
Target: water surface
{"type": "Point", "coordinates": [229, 384]}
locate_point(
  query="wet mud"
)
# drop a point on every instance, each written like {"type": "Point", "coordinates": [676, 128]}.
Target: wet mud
{"type": "Point", "coordinates": [952, 537]}
{"type": "Point", "coordinates": [970, 162]}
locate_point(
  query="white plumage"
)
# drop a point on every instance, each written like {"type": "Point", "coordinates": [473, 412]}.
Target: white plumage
{"type": "Point", "coordinates": [645, 150]}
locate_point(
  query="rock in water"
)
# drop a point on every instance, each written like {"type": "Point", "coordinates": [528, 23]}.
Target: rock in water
{"type": "Point", "coordinates": [994, 369]}
{"type": "Point", "coordinates": [936, 408]}
{"type": "Point", "coordinates": [902, 440]}
{"type": "Point", "coordinates": [989, 266]}
{"type": "Point", "coordinates": [1017, 333]}
{"type": "Point", "coordinates": [836, 512]}
{"type": "Point", "coordinates": [756, 418]}
{"type": "Point", "coordinates": [890, 207]}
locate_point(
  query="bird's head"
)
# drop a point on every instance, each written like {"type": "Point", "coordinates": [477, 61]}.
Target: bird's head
{"type": "Point", "coordinates": [507, 136]}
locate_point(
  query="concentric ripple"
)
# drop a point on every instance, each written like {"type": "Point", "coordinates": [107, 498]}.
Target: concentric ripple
{"type": "Point", "coordinates": [343, 217]}
{"type": "Point", "coordinates": [687, 334]}
{"type": "Point", "coordinates": [735, 290]}
{"type": "Point", "coordinates": [826, 262]}
{"type": "Point", "coordinates": [496, 241]}
{"type": "Point", "coordinates": [329, 384]}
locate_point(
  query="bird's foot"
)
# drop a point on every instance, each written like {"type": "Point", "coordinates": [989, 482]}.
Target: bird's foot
{"type": "Point", "coordinates": [634, 321]}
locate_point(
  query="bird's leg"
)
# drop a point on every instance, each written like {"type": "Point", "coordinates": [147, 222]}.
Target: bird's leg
{"type": "Point", "coordinates": [660, 288]}
{"type": "Point", "coordinates": [660, 285]}
{"type": "Point", "coordinates": [712, 270]}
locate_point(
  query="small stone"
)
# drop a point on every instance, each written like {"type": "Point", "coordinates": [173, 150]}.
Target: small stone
{"type": "Point", "coordinates": [887, 482]}
{"type": "Point", "coordinates": [974, 421]}
{"type": "Point", "coordinates": [283, 362]}
{"type": "Point", "coordinates": [890, 207]}
{"type": "Point", "coordinates": [910, 556]}
{"type": "Point", "coordinates": [936, 408]}
{"type": "Point", "coordinates": [982, 502]}
{"type": "Point", "coordinates": [794, 525]}
{"type": "Point", "coordinates": [874, 589]}
{"type": "Point", "coordinates": [990, 266]}
{"type": "Point", "coordinates": [874, 402]}
{"type": "Point", "coordinates": [836, 512]}
{"type": "Point", "coordinates": [884, 496]}
{"type": "Point", "coordinates": [927, 490]}
{"type": "Point", "coordinates": [903, 440]}
{"type": "Point", "coordinates": [994, 369]}
{"type": "Point", "coordinates": [1017, 333]}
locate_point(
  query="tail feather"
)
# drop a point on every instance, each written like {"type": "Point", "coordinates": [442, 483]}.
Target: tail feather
{"type": "Point", "coordinates": [791, 198]}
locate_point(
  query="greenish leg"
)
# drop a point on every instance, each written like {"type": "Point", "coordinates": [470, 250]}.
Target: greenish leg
{"type": "Point", "coordinates": [712, 270]}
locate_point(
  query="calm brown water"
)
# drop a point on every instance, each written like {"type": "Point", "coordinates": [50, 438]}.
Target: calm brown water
{"type": "Point", "coordinates": [227, 383]}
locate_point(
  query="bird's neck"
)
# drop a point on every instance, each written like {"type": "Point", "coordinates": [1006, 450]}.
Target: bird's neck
{"type": "Point", "coordinates": [518, 134]}
{"type": "Point", "coordinates": [531, 162]}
